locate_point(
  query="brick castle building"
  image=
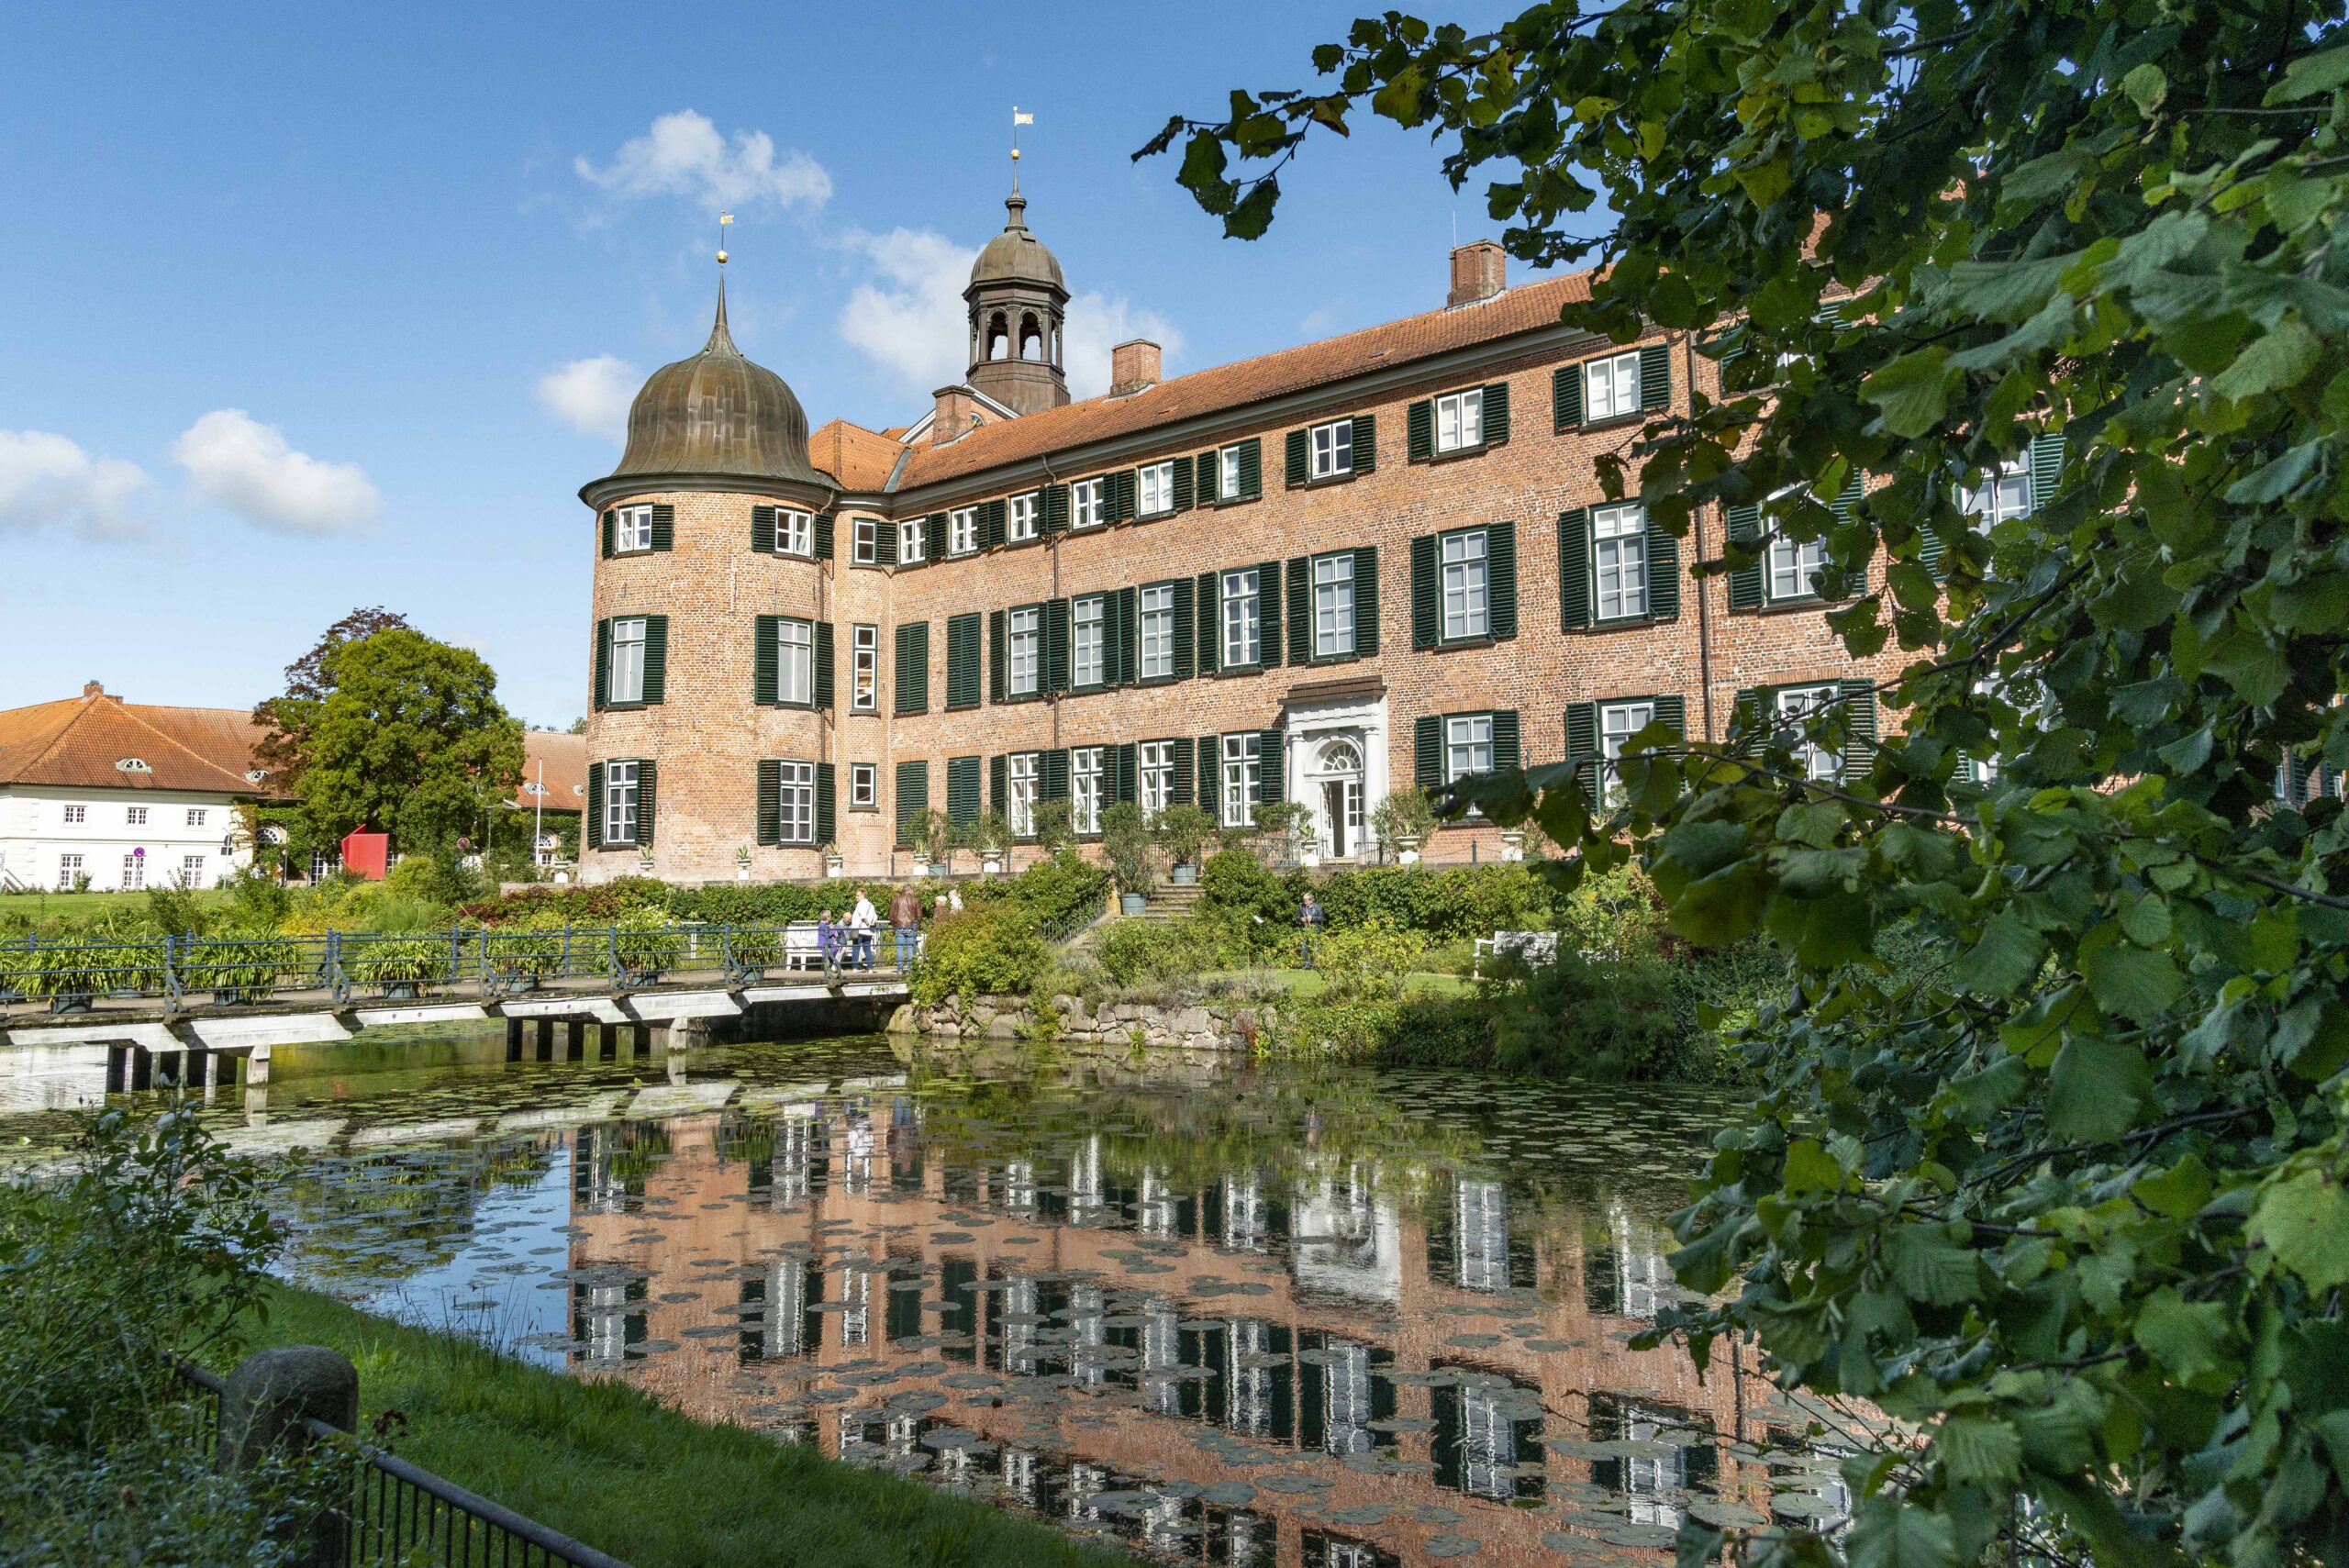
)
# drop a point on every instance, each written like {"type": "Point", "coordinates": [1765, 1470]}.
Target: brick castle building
{"type": "Point", "coordinates": [1374, 562]}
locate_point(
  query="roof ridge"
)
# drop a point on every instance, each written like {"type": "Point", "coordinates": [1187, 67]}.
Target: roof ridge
{"type": "Point", "coordinates": [175, 741]}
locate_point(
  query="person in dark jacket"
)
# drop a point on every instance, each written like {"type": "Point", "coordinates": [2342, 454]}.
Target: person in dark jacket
{"type": "Point", "coordinates": [1310, 920]}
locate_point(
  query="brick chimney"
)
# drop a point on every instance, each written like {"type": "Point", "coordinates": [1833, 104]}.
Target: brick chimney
{"type": "Point", "coordinates": [1478, 272]}
{"type": "Point", "coordinates": [93, 689]}
{"type": "Point", "coordinates": [1134, 366]}
{"type": "Point", "coordinates": [957, 414]}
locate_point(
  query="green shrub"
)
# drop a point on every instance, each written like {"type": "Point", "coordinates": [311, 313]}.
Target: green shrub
{"type": "Point", "coordinates": [397, 961]}
{"type": "Point", "coordinates": [990, 950]}
{"type": "Point", "coordinates": [1252, 907]}
{"type": "Point", "coordinates": [1061, 892]}
{"type": "Point", "coordinates": [258, 901]}
{"type": "Point", "coordinates": [1370, 962]}
{"type": "Point", "coordinates": [1616, 915]}
{"type": "Point", "coordinates": [246, 960]}
{"type": "Point", "coordinates": [646, 941]}
{"type": "Point", "coordinates": [1446, 904]}
{"type": "Point", "coordinates": [1609, 1019]}
{"type": "Point", "coordinates": [1135, 951]}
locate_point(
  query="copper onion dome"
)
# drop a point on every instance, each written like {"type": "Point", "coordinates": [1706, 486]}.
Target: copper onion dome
{"type": "Point", "coordinates": [1017, 255]}
{"type": "Point", "coordinates": [716, 415]}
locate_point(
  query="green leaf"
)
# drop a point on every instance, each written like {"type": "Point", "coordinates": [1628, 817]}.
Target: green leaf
{"type": "Point", "coordinates": [2146, 85]}
{"type": "Point", "coordinates": [1811, 1169]}
{"type": "Point", "coordinates": [2006, 956]}
{"type": "Point", "coordinates": [2305, 1222]}
{"type": "Point", "coordinates": [2134, 982]}
{"type": "Point", "coordinates": [2182, 1336]}
{"type": "Point", "coordinates": [2311, 74]}
{"type": "Point", "coordinates": [2271, 363]}
{"type": "Point", "coordinates": [1978, 1448]}
{"type": "Point", "coordinates": [1912, 391]}
{"type": "Point", "coordinates": [1891, 1533]}
{"type": "Point", "coordinates": [2175, 1193]}
{"type": "Point", "coordinates": [2095, 1088]}
{"type": "Point", "coordinates": [1930, 1267]}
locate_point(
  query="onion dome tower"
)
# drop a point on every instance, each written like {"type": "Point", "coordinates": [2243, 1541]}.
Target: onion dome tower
{"type": "Point", "coordinates": [1019, 306]}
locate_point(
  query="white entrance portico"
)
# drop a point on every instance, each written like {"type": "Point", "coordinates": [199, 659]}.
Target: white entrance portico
{"type": "Point", "coordinates": [1334, 760]}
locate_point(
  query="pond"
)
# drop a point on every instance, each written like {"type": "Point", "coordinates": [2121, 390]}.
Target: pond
{"type": "Point", "coordinates": [1245, 1315]}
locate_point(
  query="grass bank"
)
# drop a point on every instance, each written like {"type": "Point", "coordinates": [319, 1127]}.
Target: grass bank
{"type": "Point", "coordinates": [38, 906]}
{"type": "Point", "coordinates": [1306, 983]}
{"type": "Point", "coordinates": [611, 1466]}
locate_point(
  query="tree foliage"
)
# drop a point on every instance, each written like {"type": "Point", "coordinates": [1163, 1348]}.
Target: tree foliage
{"type": "Point", "coordinates": [288, 719]}
{"type": "Point", "coordinates": [411, 739]}
{"type": "Point", "coordinates": [2069, 1201]}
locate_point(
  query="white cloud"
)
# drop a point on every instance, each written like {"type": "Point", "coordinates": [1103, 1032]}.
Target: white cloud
{"type": "Point", "coordinates": [591, 395]}
{"type": "Point", "coordinates": [684, 155]}
{"type": "Point", "coordinates": [908, 315]}
{"type": "Point", "coordinates": [247, 467]}
{"type": "Point", "coordinates": [47, 478]}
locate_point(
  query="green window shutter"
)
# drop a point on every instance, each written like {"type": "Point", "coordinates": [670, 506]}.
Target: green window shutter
{"type": "Point", "coordinates": [933, 536]}
{"type": "Point", "coordinates": [656, 659]}
{"type": "Point", "coordinates": [1056, 670]}
{"type": "Point", "coordinates": [594, 826]}
{"type": "Point", "coordinates": [994, 520]}
{"type": "Point", "coordinates": [1125, 610]}
{"type": "Point", "coordinates": [1752, 704]}
{"type": "Point", "coordinates": [1419, 430]}
{"type": "Point", "coordinates": [913, 796]}
{"type": "Point", "coordinates": [1210, 773]}
{"type": "Point", "coordinates": [1300, 610]}
{"type": "Point", "coordinates": [1674, 711]}
{"type": "Point", "coordinates": [1251, 468]}
{"type": "Point", "coordinates": [826, 806]}
{"type": "Point", "coordinates": [1366, 600]}
{"type": "Point", "coordinates": [1505, 754]}
{"type": "Point", "coordinates": [1055, 771]}
{"type": "Point", "coordinates": [1207, 646]}
{"type": "Point", "coordinates": [1655, 376]}
{"type": "Point", "coordinates": [1427, 752]}
{"type": "Point", "coordinates": [1295, 467]}
{"type": "Point", "coordinates": [1427, 594]}
{"type": "Point", "coordinates": [1664, 573]}
{"type": "Point", "coordinates": [1180, 791]}
{"type": "Point", "coordinates": [645, 783]}
{"type": "Point", "coordinates": [1272, 767]}
{"type": "Point", "coordinates": [1184, 627]}
{"type": "Point", "coordinates": [610, 526]}
{"type": "Point", "coordinates": [1210, 477]}
{"type": "Point", "coordinates": [1365, 444]}
{"type": "Point", "coordinates": [824, 523]}
{"type": "Point", "coordinates": [823, 663]}
{"type": "Point", "coordinates": [664, 527]}
{"type": "Point", "coordinates": [1574, 569]}
{"type": "Point", "coordinates": [1841, 505]}
{"type": "Point", "coordinates": [1565, 397]}
{"type": "Point", "coordinates": [999, 782]}
{"type": "Point", "coordinates": [1494, 418]}
{"type": "Point", "coordinates": [962, 789]}
{"type": "Point", "coordinates": [1121, 495]}
{"type": "Point", "coordinates": [1929, 539]}
{"type": "Point", "coordinates": [912, 670]}
{"type": "Point", "coordinates": [1128, 756]}
{"type": "Point", "coordinates": [770, 828]}
{"type": "Point", "coordinates": [763, 530]}
{"type": "Point", "coordinates": [998, 656]}
{"type": "Point", "coordinates": [2046, 468]}
{"type": "Point", "coordinates": [1268, 613]}
{"type": "Point", "coordinates": [764, 676]}
{"type": "Point", "coordinates": [600, 693]}
{"type": "Point", "coordinates": [1500, 557]}
{"type": "Point", "coordinates": [1055, 510]}
{"type": "Point", "coordinates": [1183, 490]}
{"type": "Point", "coordinates": [1582, 744]}
{"type": "Point", "coordinates": [1745, 584]}
{"type": "Point", "coordinates": [1859, 741]}
{"type": "Point", "coordinates": [884, 543]}
{"type": "Point", "coordinates": [962, 660]}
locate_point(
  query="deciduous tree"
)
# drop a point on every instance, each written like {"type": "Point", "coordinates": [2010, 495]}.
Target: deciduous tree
{"type": "Point", "coordinates": [287, 718]}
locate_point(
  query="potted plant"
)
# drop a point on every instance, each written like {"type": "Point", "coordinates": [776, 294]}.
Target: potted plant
{"type": "Point", "coordinates": [1055, 826]}
{"type": "Point", "coordinates": [645, 942]}
{"type": "Point", "coordinates": [1403, 820]}
{"type": "Point", "coordinates": [932, 834]}
{"type": "Point", "coordinates": [1308, 844]}
{"type": "Point", "coordinates": [1512, 843]}
{"type": "Point", "coordinates": [1125, 841]}
{"type": "Point", "coordinates": [403, 968]}
{"type": "Point", "coordinates": [1182, 832]}
{"type": "Point", "coordinates": [835, 863]}
{"type": "Point", "coordinates": [743, 863]}
{"type": "Point", "coordinates": [524, 954]}
{"type": "Point", "coordinates": [240, 965]}
{"type": "Point", "coordinates": [991, 836]}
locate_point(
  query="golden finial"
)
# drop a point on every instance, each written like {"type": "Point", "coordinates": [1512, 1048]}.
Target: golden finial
{"type": "Point", "coordinates": [1019, 119]}
{"type": "Point", "coordinates": [724, 218]}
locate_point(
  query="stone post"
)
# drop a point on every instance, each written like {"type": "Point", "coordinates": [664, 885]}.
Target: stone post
{"type": "Point", "coordinates": [262, 1411]}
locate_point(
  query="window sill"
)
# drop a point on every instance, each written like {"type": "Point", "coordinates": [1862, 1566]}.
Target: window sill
{"type": "Point", "coordinates": [959, 707]}
{"type": "Point", "coordinates": [1157, 517]}
{"type": "Point", "coordinates": [632, 554]}
{"type": "Point", "coordinates": [1234, 501]}
{"type": "Point", "coordinates": [863, 809]}
{"type": "Point", "coordinates": [1447, 644]}
{"type": "Point", "coordinates": [1620, 623]}
{"type": "Point", "coordinates": [1237, 670]}
{"type": "Point", "coordinates": [866, 711]}
{"type": "Point", "coordinates": [1160, 680]}
{"type": "Point", "coordinates": [626, 707]}
{"type": "Point", "coordinates": [608, 846]}
{"type": "Point", "coordinates": [1612, 422]}
{"type": "Point", "coordinates": [1318, 659]}
{"type": "Point", "coordinates": [1790, 606]}
{"type": "Point", "coordinates": [791, 707]}
{"type": "Point", "coordinates": [1311, 483]}
{"type": "Point", "coordinates": [1479, 450]}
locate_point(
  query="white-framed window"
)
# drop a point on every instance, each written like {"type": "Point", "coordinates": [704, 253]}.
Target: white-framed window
{"type": "Point", "coordinates": [1088, 641]}
{"type": "Point", "coordinates": [1334, 605]}
{"type": "Point", "coordinates": [1087, 505]}
{"type": "Point", "coordinates": [863, 786]}
{"type": "Point", "coordinates": [1467, 610]}
{"type": "Point", "coordinates": [619, 803]}
{"type": "Point", "coordinates": [795, 532]}
{"type": "Point", "coordinates": [865, 655]}
{"type": "Point", "coordinates": [1794, 567]}
{"type": "Point", "coordinates": [77, 816]}
{"type": "Point", "coordinates": [631, 530]}
{"type": "Point", "coordinates": [795, 661]}
{"type": "Point", "coordinates": [192, 871]}
{"type": "Point", "coordinates": [1156, 481]}
{"type": "Point", "coordinates": [864, 535]}
{"type": "Point", "coordinates": [1794, 704]}
{"type": "Point", "coordinates": [911, 546]}
{"type": "Point", "coordinates": [2004, 498]}
{"type": "Point", "coordinates": [1024, 517]}
{"type": "Point", "coordinates": [1459, 420]}
{"type": "Point", "coordinates": [1242, 777]}
{"type": "Point", "coordinates": [795, 820]}
{"type": "Point", "coordinates": [1610, 388]}
{"type": "Point", "coordinates": [1227, 474]}
{"type": "Point", "coordinates": [963, 530]}
{"type": "Point", "coordinates": [134, 872]}
{"type": "Point", "coordinates": [319, 866]}
{"type": "Point", "coordinates": [1618, 722]}
{"type": "Point", "coordinates": [1026, 775]}
{"type": "Point", "coordinates": [627, 674]}
{"type": "Point", "coordinates": [196, 815]}
{"type": "Point", "coordinates": [1158, 632]}
{"type": "Point", "coordinates": [1086, 769]}
{"type": "Point", "coordinates": [69, 871]}
{"type": "Point", "coordinates": [1330, 448]}
{"type": "Point", "coordinates": [1243, 629]}
{"type": "Point", "coordinates": [1027, 632]}
{"type": "Point", "coordinates": [134, 815]}
{"type": "Point", "coordinates": [1467, 746]}
{"type": "Point", "coordinates": [1154, 768]}
{"type": "Point", "coordinates": [1619, 544]}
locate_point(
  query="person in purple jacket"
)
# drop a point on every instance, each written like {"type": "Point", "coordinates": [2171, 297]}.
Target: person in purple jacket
{"type": "Point", "coordinates": [827, 944]}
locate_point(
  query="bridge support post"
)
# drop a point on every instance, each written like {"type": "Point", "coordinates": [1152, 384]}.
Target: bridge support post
{"type": "Point", "coordinates": [197, 1069]}
{"type": "Point", "coordinates": [513, 1039]}
{"type": "Point", "coordinates": [574, 1039]}
{"type": "Point", "coordinates": [639, 1039]}
{"type": "Point", "coordinates": [257, 1067]}
{"type": "Point", "coordinates": [686, 1033]}
{"type": "Point", "coordinates": [546, 1040]}
{"type": "Point", "coordinates": [117, 1066]}
{"type": "Point", "coordinates": [269, 1400]}
{"type": "Point", "coordinates": [608, 1041]}
{"type": "Point", "coordinates": [143, 1068]}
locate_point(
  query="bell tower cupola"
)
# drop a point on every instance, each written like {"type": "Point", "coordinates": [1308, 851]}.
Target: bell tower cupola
{"type": "Point", "coordinates": [1019, 306]}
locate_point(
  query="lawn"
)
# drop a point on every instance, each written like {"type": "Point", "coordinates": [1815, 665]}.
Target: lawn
{"type": "Point", "coordinates": [609, 1466]}
{"type": "Point", "coordinates": [40, 906]}
{"type": "Point", "coordinates": [1305, 982]}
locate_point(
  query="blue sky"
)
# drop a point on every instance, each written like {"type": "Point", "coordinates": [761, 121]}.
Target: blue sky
{"type": "Point", "coordinates": [304, 312]}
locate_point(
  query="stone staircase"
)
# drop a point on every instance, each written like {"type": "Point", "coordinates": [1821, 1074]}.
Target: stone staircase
{"type": "Point", "coordinates": [1168, 902]}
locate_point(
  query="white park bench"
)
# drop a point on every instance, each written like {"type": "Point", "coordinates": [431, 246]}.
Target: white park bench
{"type": "Point", "coordinates": [1532, 949]}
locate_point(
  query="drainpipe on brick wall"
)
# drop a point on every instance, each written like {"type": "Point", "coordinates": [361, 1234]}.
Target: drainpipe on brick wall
{"type": "Point", "coordinates": [1052, 479]}
{"type": "Point", "coordinates": [823, 612]}
{"type": "Point", "coordinates": [1697, 553]}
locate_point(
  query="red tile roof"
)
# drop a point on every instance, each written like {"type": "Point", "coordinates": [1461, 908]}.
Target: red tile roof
{"type": "Point", "coordinates": [77, 744]}
{"type": "Point", "coordinates": [565, 757]}
{"type": "Point", "coordinates": [858, 458]}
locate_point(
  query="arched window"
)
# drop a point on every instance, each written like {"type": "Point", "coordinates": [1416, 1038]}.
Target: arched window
{"type": "Point", "coordinates": [1031, 339]}
{"type": "Point", "coordinates": [1339, 756]}
{"type": "Point", "coordinates": [999, 337]}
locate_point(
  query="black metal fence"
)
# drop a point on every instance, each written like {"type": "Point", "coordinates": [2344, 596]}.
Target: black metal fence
{"type": "Point", "coordinates": [400, 1515]}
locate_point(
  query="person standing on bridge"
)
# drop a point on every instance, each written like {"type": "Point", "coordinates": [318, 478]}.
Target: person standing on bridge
{"type": "Point", "coordinates": [905, 918]}
{"type": "Point", "coordinates": [860, 922]}
{"type": "Point", "coordinates": [827, 945]}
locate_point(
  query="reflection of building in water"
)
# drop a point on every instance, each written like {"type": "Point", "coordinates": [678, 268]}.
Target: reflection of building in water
{"type": "Point", "coordinates": [1323, 1550]}
{"type": "Point", "coordinates": [1653, 1477]}
{"type": "Point", "coordinates": [1339, 1396]}
{"type": "Point", "coordinates": [1084, 1188]}
{"type": "Point", "coordinates": [1629, 1278]}
{"type": "Point", "coordinates": [789, 1326]}
{"type": "Point", "coordinates": [600, 1318]}
{"type": "Point", "coordinates": [595, 1187]}
{"type": "Point", "coordinates": [1158, 1211]}
{"type": "Point", "coordinates": [1089, 1336]}
{"type": "Point", "coordinates": [856, 1309]}
{"type": "Point", "coordinates": [1244, 1220]}
{"type": "Point", "coordinates": [1259, 1401]}
{"type": "Point", "coordinates": [1346, 1240]}
{"type": "Point", "coordinates": [1481, 1255]}
{"type": "Point", "coordinates": [1020, 1186]}
{"type": "Point", "coordinates": [857, 1174]}
{"type": "Point", "coordinates": [1482, 1426]}
{"type": "Point", "coordinates": [1161, 1353]}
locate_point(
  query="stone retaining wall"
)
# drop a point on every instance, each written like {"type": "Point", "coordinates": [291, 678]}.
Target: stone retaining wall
{"type": "Point", "coordinates": [1120, 1025]}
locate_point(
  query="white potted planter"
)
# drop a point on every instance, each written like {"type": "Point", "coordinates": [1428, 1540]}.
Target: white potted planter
{"type": "Point", "coordinates": [835, 864]}
{"type": "Point", "coordinates": [990, 862]}
{"type": "Point", "coordinates": [921, 868]}
{"type": "Point", "coordinates": [1407, 849]}
{"type": "Point", "coordinates": [1512, 843]}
